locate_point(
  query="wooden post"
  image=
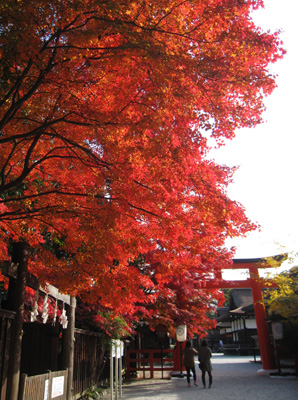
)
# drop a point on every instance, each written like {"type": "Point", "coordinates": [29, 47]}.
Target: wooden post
{"type": "Point", "coordinates": [120, 370]}
{"type": "Point", "coordinates": [68, 345]}
{"type": "Point", "coordinates": [16, 297]}
{"type": "Point", "coordinates": [111, 372]}
{"type": "Point", "coordinates": [151, 356]}
{"type": "Point", "coordinates": [116, 369]}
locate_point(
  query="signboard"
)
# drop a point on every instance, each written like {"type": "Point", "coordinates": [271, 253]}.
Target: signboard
{"type": "Point", "coordinates": [57, 386]}
{"type": "Point", "coordinates": [277, 330]}
{"type": "Point", "coordinates": [113, 349]}
{"type": "Point", "coordinates": [118, 347]}
{"type": "Point", "coordinates": [181, 333]}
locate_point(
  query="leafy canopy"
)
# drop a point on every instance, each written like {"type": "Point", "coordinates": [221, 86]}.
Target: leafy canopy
{"type": "Point", "coordinates": [105, 112]}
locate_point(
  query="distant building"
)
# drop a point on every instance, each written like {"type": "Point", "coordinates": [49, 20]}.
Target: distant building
{"type": "Point", "coordinates": [237, 324]}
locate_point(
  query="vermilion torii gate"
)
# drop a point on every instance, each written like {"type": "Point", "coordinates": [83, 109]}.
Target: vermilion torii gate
{"type": "Point", "coordinates": [256, 284]}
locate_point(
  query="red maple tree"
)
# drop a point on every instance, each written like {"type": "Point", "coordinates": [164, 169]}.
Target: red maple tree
{"type": "Point", "coordinates": [105, 112]}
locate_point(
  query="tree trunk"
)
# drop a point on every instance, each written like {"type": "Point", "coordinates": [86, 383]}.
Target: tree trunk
{"type": "Point", "coordinates": [16, 297]}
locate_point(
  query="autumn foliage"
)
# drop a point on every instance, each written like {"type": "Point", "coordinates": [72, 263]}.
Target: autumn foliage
{"type": "Point", "coordinates": [283, 300]}
{"type": "Point", "coordinates": [106, 111]}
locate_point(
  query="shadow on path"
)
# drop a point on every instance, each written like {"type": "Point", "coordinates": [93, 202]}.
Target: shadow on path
{"type": "Point", "coordinates": [234, 378]}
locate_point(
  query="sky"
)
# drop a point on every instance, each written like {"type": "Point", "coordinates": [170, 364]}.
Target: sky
{"type": "Point", "coordinates": [266, 182]}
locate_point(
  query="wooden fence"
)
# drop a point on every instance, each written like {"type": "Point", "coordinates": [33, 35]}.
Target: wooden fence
{"type": "Point", "coordinates": [52, 385]}
{"type": "Point", "coordinates": [149, 361]}
{"type": "Point", "coordinates": [41, 349]}
{"type": "Point", "coordinates": [91, 363]}
{"type": "Point", "coordinates": [41, 352]}
{"type": "Point", "coordinates": [6, 321]}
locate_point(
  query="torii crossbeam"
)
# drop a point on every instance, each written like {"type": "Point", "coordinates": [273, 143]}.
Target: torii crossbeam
{"type": "Point", "coordinates": [256, 284]}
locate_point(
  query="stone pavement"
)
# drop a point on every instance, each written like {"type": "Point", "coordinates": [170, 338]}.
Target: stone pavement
{"type": "Point", "coordinates": [233, 378]}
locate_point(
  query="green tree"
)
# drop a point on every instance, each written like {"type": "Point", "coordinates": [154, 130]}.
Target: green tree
{"type": "Point", "coordinates": [284, 299]}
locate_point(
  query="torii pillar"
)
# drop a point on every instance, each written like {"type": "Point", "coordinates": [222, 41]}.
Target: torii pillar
{"type": "Point", "coordinates": [267, 356]}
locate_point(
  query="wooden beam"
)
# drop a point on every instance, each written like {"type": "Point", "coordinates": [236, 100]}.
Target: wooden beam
{"type": "Point", "coordinates": [54, 292]}
{"type": "Point", "coordinates": [33, 282]}
{"type": "Point", "coordinates": [223, 284]}
{"type": "Point", "coordinates": [265, 262]}
{"type": "Point", "coordinates": [10, 269]}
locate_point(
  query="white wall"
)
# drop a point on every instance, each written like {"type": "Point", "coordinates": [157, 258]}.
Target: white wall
{"type": "Point", "coordinates": [251, 324]}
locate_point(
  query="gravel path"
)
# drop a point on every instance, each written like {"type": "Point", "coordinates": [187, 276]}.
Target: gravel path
{"type": "Point", "coordinates": [233, 378]}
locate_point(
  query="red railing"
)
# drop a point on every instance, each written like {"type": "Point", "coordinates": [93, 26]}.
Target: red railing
{"type": "Point", "coordinates": [149, 361]}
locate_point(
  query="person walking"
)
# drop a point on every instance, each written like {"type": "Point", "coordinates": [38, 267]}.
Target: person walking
{"type": "Point", "coordinates": [205, 355]}
{"type": "Point", "coordinates": [189, 362]}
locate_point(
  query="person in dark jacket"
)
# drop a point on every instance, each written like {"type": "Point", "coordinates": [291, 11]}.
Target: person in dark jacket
{"type": "Point", "coordinates": [189, 362]}
{"type": "Point", "coordinates": [205, 355]}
